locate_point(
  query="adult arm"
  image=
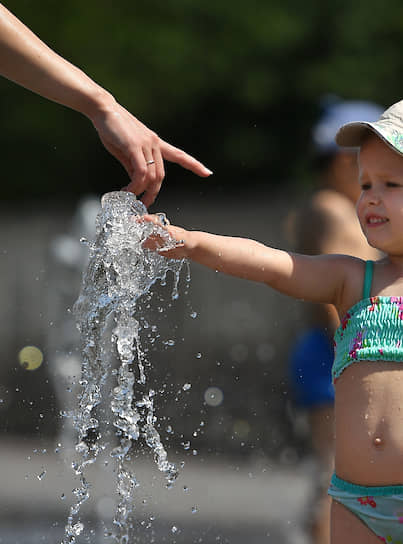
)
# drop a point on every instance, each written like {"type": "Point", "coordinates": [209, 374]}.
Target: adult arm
{"type": "Point", "coordinates": [26, 60]}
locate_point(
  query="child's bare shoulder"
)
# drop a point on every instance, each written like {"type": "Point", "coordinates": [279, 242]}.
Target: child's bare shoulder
{"type": "Point", "coordinates": [353, 281]}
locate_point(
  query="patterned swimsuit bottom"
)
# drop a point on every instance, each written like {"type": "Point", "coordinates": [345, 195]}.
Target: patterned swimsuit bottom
{"type": "Point", "coordinates": [380, 508]}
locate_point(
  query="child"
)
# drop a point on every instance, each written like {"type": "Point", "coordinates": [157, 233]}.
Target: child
{"type": "Point", "coordinates": [367, 487]}
{"type": "Point", "coordinates": [333, 227]}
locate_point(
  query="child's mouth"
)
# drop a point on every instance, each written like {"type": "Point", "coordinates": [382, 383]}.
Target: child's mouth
{"type": "Point", "coordinates": [376, 220]}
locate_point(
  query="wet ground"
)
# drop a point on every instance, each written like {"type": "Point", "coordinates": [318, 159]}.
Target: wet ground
{"type": "Point", "coordinates": [38, 533]}
{"type": "Point", "coordinates": [212, 502]}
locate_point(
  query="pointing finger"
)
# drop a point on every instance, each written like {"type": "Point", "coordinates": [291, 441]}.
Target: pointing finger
{"type": "Point", "coordinates": [176, 155]}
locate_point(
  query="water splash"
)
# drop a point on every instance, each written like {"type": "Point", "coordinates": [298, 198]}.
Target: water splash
{"type": "Point", "coordinates": [119, 272]}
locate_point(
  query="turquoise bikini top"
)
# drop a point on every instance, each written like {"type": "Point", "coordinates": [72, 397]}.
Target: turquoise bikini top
{"type": "Point", "coordinates": [371, 330]}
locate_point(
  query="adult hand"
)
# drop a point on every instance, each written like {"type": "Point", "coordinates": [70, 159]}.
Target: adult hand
{"type": "Point", "coordinates": [28, 61]}
{"type": "Point", "coordinates": [140, 151]}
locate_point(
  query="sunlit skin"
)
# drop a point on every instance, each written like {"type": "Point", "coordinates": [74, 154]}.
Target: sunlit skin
{"type": "Point", "coordinates": [380, 206]}
{"type": "Point", "coordinates": [25, 59]}
{"type": "Point", "coordinates": [328, 223]}
{"type": "Point", "coordinates": [369, 418]}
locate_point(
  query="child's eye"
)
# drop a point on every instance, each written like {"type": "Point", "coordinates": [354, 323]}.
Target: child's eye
{"type": "Point", "coordinates": [365, 186]}
{"type": "Point", "coordinates": [392, 184]}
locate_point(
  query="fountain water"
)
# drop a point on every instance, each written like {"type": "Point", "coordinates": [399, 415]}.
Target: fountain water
{"type": "Point", "coordinates": [119, 272]}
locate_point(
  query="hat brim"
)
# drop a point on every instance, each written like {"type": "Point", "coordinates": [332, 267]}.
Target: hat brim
{"type": "Point", "coordinates": [354, 134]}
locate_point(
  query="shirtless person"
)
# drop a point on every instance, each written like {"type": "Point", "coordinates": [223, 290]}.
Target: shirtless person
{"type": "Point", "coordinates": [327, 223]}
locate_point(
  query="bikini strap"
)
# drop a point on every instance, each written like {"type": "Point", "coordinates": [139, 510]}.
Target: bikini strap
{"type": "Point", "coordinates": [369, 271]}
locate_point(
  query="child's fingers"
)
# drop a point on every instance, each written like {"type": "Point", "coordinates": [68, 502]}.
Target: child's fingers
{"type": "Point", "coordinates": [155, 241]}
{"type": "Point", "coordinates": [164, 221]}
{"type": "Point", "coordinates": [168, 249]}
{"type": "Point", "coordinates": [173, 253]}
{"type": "Point", "coordinates": [158, 219]}
{"type": "Point", "coordinates": [148, 218]}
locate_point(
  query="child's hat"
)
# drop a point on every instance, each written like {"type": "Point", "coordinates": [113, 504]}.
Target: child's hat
{"type": "Point", "coordinates": [389, 128]}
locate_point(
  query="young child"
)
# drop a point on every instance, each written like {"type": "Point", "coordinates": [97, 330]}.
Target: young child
{"type": "Point", "coordinates": [367, 487]}
{"type": "Point", "coordinates": [333, 227]}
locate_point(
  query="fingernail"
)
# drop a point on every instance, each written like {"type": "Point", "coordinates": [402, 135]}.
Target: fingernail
{"type": "Point", "coordinates": [209, 171]}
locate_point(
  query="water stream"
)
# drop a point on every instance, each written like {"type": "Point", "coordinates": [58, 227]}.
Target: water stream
{"type": "Point", "coordinates": [119, 272]}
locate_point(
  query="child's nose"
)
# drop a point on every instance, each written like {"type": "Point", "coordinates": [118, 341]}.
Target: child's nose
{"type": "Point", "coordinates": [374, 196]}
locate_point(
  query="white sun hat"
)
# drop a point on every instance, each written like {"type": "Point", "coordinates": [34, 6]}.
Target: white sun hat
{"type": "Point", "coordinates": [389, 128]}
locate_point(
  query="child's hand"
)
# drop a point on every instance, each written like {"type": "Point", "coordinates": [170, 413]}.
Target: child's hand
{"type": "Point", "coordinates": [155, 242]}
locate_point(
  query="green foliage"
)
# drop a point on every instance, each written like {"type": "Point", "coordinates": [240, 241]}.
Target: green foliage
{"type": "Point", "coordinates": [237, 84]}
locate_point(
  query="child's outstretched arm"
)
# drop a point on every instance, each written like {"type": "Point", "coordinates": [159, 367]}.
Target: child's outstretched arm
{"type": "Point", "coordinates": [313, 278]}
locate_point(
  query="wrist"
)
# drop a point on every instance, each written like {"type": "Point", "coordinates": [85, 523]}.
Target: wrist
{"type": "Point", "coordinates": [188, 239]}
{"type": "Point", "coordinates": [97, 102]}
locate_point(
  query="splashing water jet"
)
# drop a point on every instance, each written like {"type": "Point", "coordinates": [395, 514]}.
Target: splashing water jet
{"type": "Point", "coordinates": [119, 272]}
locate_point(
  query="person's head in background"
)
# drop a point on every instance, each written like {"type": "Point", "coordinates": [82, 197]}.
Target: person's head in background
{"type": "Point", "coordinates": [338, 166]}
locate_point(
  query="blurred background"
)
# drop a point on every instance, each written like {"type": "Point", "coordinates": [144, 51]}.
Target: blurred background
{"type": "Point", "coordinates": [240, 86]}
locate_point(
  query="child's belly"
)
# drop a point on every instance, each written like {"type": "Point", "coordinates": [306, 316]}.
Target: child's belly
{"type": "Point", "coordinates": [369, 423]}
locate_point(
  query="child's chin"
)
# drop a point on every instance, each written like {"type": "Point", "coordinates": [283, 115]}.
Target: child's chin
{"type": "Point", "coordinates": [374, 242]}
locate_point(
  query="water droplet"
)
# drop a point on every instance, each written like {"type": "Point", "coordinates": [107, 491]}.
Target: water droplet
{"type": "Point", "coordinates": [186, 445]}
{"type": "Point", "coordinates": [198, 355]}
{"type": "Point", "coordinates": [62, 496]}
{"type": "Point", "coordinates": [213, 396]}
{"type": "Point", "coordinates": [194, 510]}
{"type": "Point", "coordinates": [77, 528]}
{"type": "Point", "coordinates": [187, 386]}
{"type": "Point", "coordinates": [174, 529]}
{"type": "Point", "coordinates": [185, 488]}
{"type": "Point", "coordinates": [41, 475]}
{"type": "Point", "coordinates": [193, 315]}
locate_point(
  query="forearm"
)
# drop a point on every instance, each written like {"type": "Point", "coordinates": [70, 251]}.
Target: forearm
{"type": "Point", "coordinates": [239, 257]}
{"type": "Point", "coordinates": [26, 60]}
{"type": "Point", "coordinates": [312, 278]}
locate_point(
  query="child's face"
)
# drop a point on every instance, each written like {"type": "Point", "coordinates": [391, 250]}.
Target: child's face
{"type": "Point", "coordinates": [380, 205]}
